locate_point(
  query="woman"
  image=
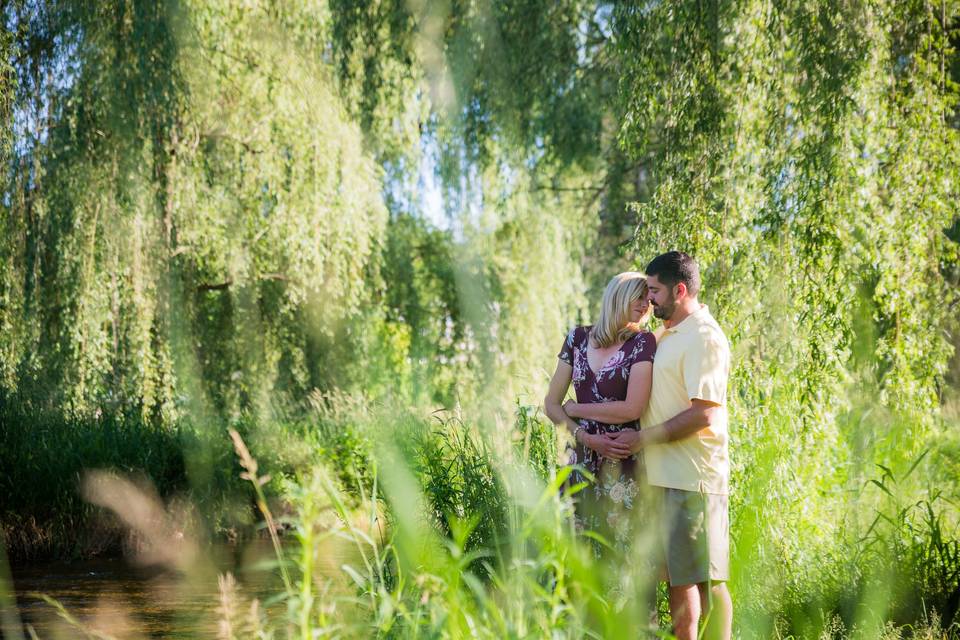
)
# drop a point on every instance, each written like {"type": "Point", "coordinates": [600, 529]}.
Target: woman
{"type": "Point", "coordinates": [610, 364]}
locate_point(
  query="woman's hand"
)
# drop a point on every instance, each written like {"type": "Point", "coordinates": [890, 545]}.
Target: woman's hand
{"type": "Point", "coordinates": [605, 445]}
{"type": "Point", "coordinates": [570, 408]}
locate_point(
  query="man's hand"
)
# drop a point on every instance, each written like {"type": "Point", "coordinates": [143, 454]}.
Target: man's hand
{"type": "Point", "coordinates": [570, 408]}
{"type": "Point", "coordinates": [630, 438]}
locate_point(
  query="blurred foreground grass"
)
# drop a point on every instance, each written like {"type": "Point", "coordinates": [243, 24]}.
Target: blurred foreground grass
{"type": "Point", "coordinates": [390, 522]}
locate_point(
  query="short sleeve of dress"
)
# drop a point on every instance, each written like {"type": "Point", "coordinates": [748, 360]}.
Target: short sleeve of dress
{"type": "Point", "coordinates": [566, 352]}
{"type": "Point", "coordinates": [643, 349]}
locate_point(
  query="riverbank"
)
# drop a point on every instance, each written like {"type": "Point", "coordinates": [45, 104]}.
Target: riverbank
{"type": "Point", "coordinates": [190, 465]}
{"type": "Point", "coordinates": [45, 459]}
{"type": "Point", "coordinates": [123, 597]}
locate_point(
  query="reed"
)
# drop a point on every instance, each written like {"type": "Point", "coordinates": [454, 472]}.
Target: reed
{"type": "Point", "coordinates": [401, 524]}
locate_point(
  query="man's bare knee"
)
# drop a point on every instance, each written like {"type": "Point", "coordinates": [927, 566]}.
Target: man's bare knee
{"type": "Point", "coordinates": [717, 611]}
{"type": "Point", "coordinates": [710, 592]}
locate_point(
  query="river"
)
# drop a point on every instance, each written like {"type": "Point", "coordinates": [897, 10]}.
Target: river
{"type": "Point", "coordinates": [119, 598]}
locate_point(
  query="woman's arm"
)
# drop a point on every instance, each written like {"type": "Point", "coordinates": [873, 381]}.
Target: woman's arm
{"type": "Point", "coordinates": [552, 403]}
{"type": "Point", "coordinates": [619, 411]}
{"type": "Point", "coordinates": [559, 383]}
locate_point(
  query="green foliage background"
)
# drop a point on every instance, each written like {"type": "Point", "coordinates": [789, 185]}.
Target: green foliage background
{"type": "Point", "coordinates": [222, 213]}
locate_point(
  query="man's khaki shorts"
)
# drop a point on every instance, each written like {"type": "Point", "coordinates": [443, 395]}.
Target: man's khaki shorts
{"type": "Point", "coordinates": [695, 530]}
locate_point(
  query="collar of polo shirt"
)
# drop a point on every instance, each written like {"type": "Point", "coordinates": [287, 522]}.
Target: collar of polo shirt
{"type": "Point", "coordinates": [690, 322]}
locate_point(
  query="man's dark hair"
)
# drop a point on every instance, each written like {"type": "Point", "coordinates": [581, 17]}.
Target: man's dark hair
{"type": "Point", "coordinates": [674, 267]}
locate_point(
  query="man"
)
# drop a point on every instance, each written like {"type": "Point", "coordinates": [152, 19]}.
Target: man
{"type": "Point", "coordinates": [684, 440]}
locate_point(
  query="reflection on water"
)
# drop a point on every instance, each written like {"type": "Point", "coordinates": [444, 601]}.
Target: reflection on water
{"type": "Point", "coordinates": [116, 597]}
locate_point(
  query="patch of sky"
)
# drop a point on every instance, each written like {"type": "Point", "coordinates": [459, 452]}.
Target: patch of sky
{"type": "Point", "coordinates": [603, 17]}
{"type": "Point", "coordinates": [421, 190]}
{"type": "Point", "coordinates": [36, 107]}
{"type": "Point", "coordinates": [428, 183]}
{"type": "Point", "coordinates": [397, 192]}
{"type": "Point", "coordinates": [602, 20]}
{"type": "Point", "coordinates": [582, 34]}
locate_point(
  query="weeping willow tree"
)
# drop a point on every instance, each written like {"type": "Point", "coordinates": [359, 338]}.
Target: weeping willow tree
{"type": "Point", "coordinates": [515, 105]}
{"type": "Point", "coordinates": [190, 215]}
{"type": "Point", "coordinates": [212, 204]}
{"type": "Point", "coordinates": [214, 208]}
{"type": "Point", "coordinates": [804, 154]}
{"type": "Point", "coordinates": [6, 91]}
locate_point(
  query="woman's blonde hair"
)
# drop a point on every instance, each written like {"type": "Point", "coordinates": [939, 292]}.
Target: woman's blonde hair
{"type": "Point", "coordinates": [614, 324]}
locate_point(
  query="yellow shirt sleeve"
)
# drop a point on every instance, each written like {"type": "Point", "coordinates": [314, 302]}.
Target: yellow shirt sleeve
{"type": "Point", "coordinates": [706, 366]}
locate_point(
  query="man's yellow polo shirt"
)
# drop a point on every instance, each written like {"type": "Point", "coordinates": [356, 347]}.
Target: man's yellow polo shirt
{"type": "Point", "coordinates": [692, 361]}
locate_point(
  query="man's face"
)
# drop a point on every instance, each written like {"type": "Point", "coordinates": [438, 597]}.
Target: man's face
{"type": "Point", "coordinates": [662, 298]}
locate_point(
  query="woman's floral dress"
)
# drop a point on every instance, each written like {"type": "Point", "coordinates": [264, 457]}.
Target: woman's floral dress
{"type": "Point", "coordinates": [611, 505]}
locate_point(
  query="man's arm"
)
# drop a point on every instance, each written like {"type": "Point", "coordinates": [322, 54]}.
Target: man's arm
{"type": "Point", "coordinates": [701, 415]}
{"type": "Point", "coordinates": [705, 370]}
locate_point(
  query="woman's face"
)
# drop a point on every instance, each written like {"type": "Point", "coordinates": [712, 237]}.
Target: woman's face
{"type": "Point", "coordinates": [638, 308]}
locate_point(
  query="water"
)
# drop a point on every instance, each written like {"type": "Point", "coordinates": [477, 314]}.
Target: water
{"type": "Point", "coordinates": [122, 599]}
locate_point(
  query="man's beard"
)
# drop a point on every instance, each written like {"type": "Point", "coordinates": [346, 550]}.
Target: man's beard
{"type": "Point", "coordinates": [665, 310]}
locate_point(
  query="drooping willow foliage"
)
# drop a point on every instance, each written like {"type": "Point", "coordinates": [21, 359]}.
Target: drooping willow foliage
{"type": "Point", "coordinates": [515, 103]}
{"type": "Point", "coordinates": [214, 206]}
{"type": "Point", "coordinates": [217, 208]}
{"type": "Point", "coordinates": [806, 154]}
{"type": "Point", "coordinates": [190, 215]}
{"type": "Point", "coordinates": [6, 91]}
{"type": "Point", "coordinates": [808, 150]}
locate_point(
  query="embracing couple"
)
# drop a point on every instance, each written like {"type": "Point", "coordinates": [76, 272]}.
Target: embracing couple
{"type": "Point", "coordinates": [650, 428]}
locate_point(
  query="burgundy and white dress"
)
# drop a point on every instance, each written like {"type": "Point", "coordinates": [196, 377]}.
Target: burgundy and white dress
{"type": "Point", "coordinates": [606, 505]}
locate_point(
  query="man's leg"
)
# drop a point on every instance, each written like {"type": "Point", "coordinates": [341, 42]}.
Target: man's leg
{"type": "Point", "coordinates": [685, 610]}
{"type": "Point", "coordinates": [717, 610]}
{"type": "Point", "coordinates": [686, 556]}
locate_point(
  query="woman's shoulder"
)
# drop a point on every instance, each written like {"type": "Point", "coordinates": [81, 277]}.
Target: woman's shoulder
{"type": "Point", "coordinates": [642, 342]}
{"type": "Point", "coordinates": [643, 337]}
{"type": "Point", "coordinates": [579, 333]}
